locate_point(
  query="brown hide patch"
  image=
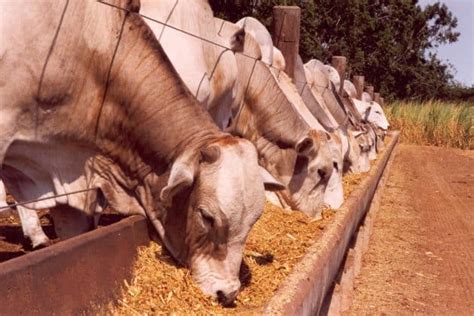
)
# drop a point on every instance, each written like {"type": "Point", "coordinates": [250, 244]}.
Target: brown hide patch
{"type": "Point", "coordinates": [226, 141]}
{"type": "Point", "coordinates": [336, 138]}
{"type": "Point", "coordinates": [133, 5]}
{"type": "Point", "coordinates": [218, 79]}
{"type": "Point", "coordinates": [316, 135]}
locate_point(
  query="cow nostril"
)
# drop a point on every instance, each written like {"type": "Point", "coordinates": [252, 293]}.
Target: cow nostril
{"type": "Point", "coordinates": [220, 295]}
{"type": "Point", "coordinates": [226, 300]}
{"type": "Point", "coordinates": [322, 173]}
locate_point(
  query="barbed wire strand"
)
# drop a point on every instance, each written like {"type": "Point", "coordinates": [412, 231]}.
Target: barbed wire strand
{"type": "Point", "coordinates": [167, 19]}
{"type": "Point", "coordinates": [165, 25]}
{"type": "Point", "coordinates": [9, 206]}
{"type": "Point", "coordinates": [104, 96]}
{"type": "Point", "coordinates": [195, 35]}
{"type": "Point", "coordinates": [45, 65]}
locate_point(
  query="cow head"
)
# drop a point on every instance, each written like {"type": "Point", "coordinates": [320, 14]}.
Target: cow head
{"type": "Point", "coordinates": [334, 194]}
{"type": "Point", "coordinates": [350, 89]}
{"type": "Point", "coordinates": [366, 97]}
{"type": "Point", "coordinates": [372, 140]}
{"type": "Point", "coordinates": [333, 75]}
{"type": "Point", "coordinates": [361, 145]}
{"type": "Point", "coordinates": [374, 114]}
{"type": "Point", "coordinates": [212, 199]}
{"type": "Point", "coordinates": [313, 169]}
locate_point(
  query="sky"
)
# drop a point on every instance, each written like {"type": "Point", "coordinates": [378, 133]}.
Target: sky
{"type": "Point", "coordinates": [460, 53]}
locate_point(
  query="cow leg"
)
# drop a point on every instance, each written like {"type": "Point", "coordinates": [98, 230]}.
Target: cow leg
{"type": "Point", "coordinates": [5, 210]}
{"type": "Point", "coordinates": [70, 222]}
{"type": "Point", "coordinates": [3, 197]}
{"type": "Point", "coordinates": [31, 226]}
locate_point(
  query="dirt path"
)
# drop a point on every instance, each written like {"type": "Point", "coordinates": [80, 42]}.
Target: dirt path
{"type": "Point", "coordinates": [421, 253]}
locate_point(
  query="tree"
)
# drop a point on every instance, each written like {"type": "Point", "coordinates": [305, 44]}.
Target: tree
{"type": "Point", "coordinates": [388, 41]}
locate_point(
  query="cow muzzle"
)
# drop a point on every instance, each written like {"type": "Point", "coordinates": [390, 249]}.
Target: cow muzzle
{"type": "Point", "coordinates": [227, 292]}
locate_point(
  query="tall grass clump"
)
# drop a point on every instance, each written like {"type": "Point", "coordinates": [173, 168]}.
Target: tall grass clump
{"type": "Point", "coordinates": [438, 123]}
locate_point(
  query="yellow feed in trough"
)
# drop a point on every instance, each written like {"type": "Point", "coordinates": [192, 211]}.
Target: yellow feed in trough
{"type": "Point", "coordinates": [276, 243]}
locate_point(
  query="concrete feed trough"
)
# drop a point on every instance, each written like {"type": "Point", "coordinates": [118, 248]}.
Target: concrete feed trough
{"type": "Point", "coordinates": [85, 273]}
{"type": "Point", "coordinates": [74, 276]}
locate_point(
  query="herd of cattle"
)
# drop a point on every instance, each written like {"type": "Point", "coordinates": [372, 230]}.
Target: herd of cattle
{"type": "Point", "coordinates": [173, 114]}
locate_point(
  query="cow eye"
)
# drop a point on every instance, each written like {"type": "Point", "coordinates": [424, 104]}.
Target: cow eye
{"type": "Point", "coordinates": [378, 112]}
{"type": "Point", "coordinates": [207, 218]}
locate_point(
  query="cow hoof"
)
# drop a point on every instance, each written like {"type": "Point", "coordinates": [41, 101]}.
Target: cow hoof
{"type": "Point", "coordinates": [39, 243]}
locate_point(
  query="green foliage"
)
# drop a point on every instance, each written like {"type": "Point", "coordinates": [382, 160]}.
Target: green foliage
{"type": "Point", "coordinates": [388, 41]}
{"type": "Point", "coordinates": [447, 124]}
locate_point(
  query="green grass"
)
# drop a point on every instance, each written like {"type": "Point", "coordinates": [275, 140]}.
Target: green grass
{"type": "Point", "coordinates": [438, 123]}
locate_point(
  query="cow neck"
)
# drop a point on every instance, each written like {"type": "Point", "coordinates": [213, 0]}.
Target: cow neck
{"type": "Point", "coordinates": [317, 110]}
{"type": "Point", "coordinates": [307, 91]}
{"type": "Point", "coordinates": [329, 96]}
{"type": "Point", "coordinates": [350, 106]}
{"type": "Point", "coordinates": [148, 108]}
{"type": "Point", "coordinates": [266, 111]}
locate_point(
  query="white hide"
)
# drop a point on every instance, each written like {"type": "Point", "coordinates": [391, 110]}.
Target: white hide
{"type": "Point", "coordinates": [352, 150]}
{"type": "Point", "coordinates": [278, 60]}
{"type": "Point", "coordinates": [194, 59]}
{"type": "Point", "coordinates": [3, 198]}
{"type": "Point", "coordinates": [373, 113]}
{"type": "Point", "coordinates": [366, 97]}
{"type": "Point", "coordinates": [333, 195]}
{"type": "Point", "coordinates": [29, 220]}
{"type": "Point", "coordinates": [31, 226]}
{"type": "Point", "coordinates": [350, 89]}
{"type": "Point", "coordinates": [240, 221]}
{"type": "Point", "coordinates": [261, 36]}
{"type": "Point", "coordinates": [333, 75]}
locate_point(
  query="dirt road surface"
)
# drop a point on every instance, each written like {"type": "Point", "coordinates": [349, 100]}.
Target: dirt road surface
{"type": "Point", "coordinates": [421, 253]}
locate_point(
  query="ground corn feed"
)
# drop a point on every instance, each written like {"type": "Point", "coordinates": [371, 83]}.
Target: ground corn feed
{"type": "Point", "coordinates": [277, 242]}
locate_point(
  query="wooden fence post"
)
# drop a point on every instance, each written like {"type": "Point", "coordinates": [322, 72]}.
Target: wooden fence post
{"type": "Point", "coordinates": [358, 82]}
{"type": "Point", "coordinates": [286, 34]}
{"type": "Point", "coordinates": [382, 101]}
{"type": "Point", "coordinates": [370, 90]}
{"type": "Point", "coordinates": [340, 62]}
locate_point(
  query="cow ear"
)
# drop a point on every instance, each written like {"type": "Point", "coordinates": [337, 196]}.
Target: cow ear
{"type": "Point", "coordinates": [237, 41]}
{"type": "Point", "coordinates": [269, 182]}
{"type": "Point", "coordinates": [357, 133]}
{"type": "Point", "coordinates": [181, 177]}
{"type": "Point", "coordinates": [305, 146]}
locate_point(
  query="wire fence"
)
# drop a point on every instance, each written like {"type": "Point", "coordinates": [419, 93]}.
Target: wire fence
{"type": "Point", "coordinates": [165, 24]}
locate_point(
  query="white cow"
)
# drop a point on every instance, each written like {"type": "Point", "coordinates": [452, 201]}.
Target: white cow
{"type": "Point", "coordinates": [366, 97]}
{"type": "Point", "coordinates": [372, 112]}
{"type": "Point", "coordinates": [355, 145]}
{"type": "Point", "coordinates": [207, 68]}
{"type": "Point", "coordinates": [367, 139]}
{"type": "Point", "coordinates": [208, 57]}
{"type": "Point", "coordinates": [361, 107]}
{"type": "Point", "coordinates": [261, 35]}
{"type": "Point", "coordinates": [91, 100]}
{"type": "Point", "coordinates": [333, 195]}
